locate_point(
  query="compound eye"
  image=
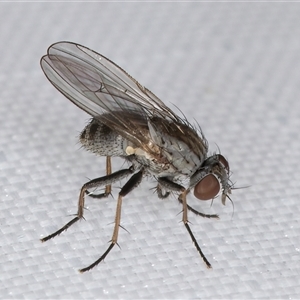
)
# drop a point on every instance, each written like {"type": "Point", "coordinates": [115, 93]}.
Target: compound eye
{"type": "Point", "coordinates": [207, 188]}
{"type": "Point", "coordinates": [224, 162]}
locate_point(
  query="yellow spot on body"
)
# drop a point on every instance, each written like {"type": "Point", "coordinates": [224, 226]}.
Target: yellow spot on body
{"type": "Point", "coordinates": [129, 150]}
{"type": "Point", "coordinates": [137, 151]}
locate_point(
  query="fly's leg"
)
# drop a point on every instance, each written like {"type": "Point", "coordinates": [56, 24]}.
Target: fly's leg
{"type": "Point", "coordinates": [198, 213]}
{"type": "Point", "coordinates": [107, 191]}
{"type": "Point", "coordinates": [170, 185]}
{"type": "Point", "coordinates": [160, 193]}
{"type": "Point", "coordinates": [105, 180]}
{"type": "Point", "coordinates": [132, 183]}
{"type": "Point", "coordinates": [185, 221]}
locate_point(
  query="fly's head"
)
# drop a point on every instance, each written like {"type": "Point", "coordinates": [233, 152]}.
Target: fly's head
{"type": "Point", "coordinates": [211, 177]}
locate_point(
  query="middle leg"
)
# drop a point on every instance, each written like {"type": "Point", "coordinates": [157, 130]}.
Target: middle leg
{"type": "Point", "coordinates": [132, 183]}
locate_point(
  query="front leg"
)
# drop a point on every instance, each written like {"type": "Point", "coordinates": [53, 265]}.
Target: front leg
{"type": "Point", "coordinates": [186, 224]}
{"type": "Point", "coordinates": [172, 186]}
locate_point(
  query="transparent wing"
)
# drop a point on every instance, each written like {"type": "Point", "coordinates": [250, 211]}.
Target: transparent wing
{"type": "Point", "coordinates": [103, 89]}
{"type": "Point", "coordinates": [109, 94]}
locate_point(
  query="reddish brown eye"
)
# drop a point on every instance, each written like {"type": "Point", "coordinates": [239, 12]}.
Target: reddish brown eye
{"type": "Point", "coordinates": [207, 188]}
{"type": "Point", "coordinates": [224, 162]}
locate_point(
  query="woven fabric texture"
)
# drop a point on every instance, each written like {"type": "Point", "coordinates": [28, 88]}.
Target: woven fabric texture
{"type": "Point", "coordinates": [233, 68]}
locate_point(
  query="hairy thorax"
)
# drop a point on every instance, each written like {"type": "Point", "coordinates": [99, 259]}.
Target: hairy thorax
{"type": "Point", "coordinates": [164, 159]}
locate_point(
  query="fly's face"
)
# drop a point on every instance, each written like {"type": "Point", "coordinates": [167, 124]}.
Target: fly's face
{"type": "Point", "coordinates": [212, 177]}
{"type": "Point", "coordinates": [131, 122]}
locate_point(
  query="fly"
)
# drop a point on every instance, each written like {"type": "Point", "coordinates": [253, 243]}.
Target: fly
{"type": "Point", "coordinates": [129, 121]}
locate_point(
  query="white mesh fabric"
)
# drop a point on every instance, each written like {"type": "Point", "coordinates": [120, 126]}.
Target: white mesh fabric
{"type": "Point", "coordinates": [233, 67]}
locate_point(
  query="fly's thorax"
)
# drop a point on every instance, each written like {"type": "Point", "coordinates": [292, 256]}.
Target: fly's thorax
{"type": "Point", "coordinates": [180, 144]}
{"type": "Point", "coordinates": [167, 161]}
{"type": "Point", "coordinates": [184, 160]}
{"type": "Point", "coordinates": [100, 139]}
{"type": "Point", "coordinates": [151, 161]}
{"type": "Point", "coordinates": [181, 135]}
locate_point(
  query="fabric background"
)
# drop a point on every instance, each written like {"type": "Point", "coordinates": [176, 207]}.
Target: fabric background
{"type": "Point", "coordinates": [233, 67]}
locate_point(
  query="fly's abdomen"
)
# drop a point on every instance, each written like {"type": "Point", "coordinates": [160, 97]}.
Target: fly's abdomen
{"type": "Point", "coordinates": [100, 139]}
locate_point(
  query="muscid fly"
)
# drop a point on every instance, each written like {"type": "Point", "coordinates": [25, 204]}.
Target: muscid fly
{"type": "Point", "coordinates": [129, 121]}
